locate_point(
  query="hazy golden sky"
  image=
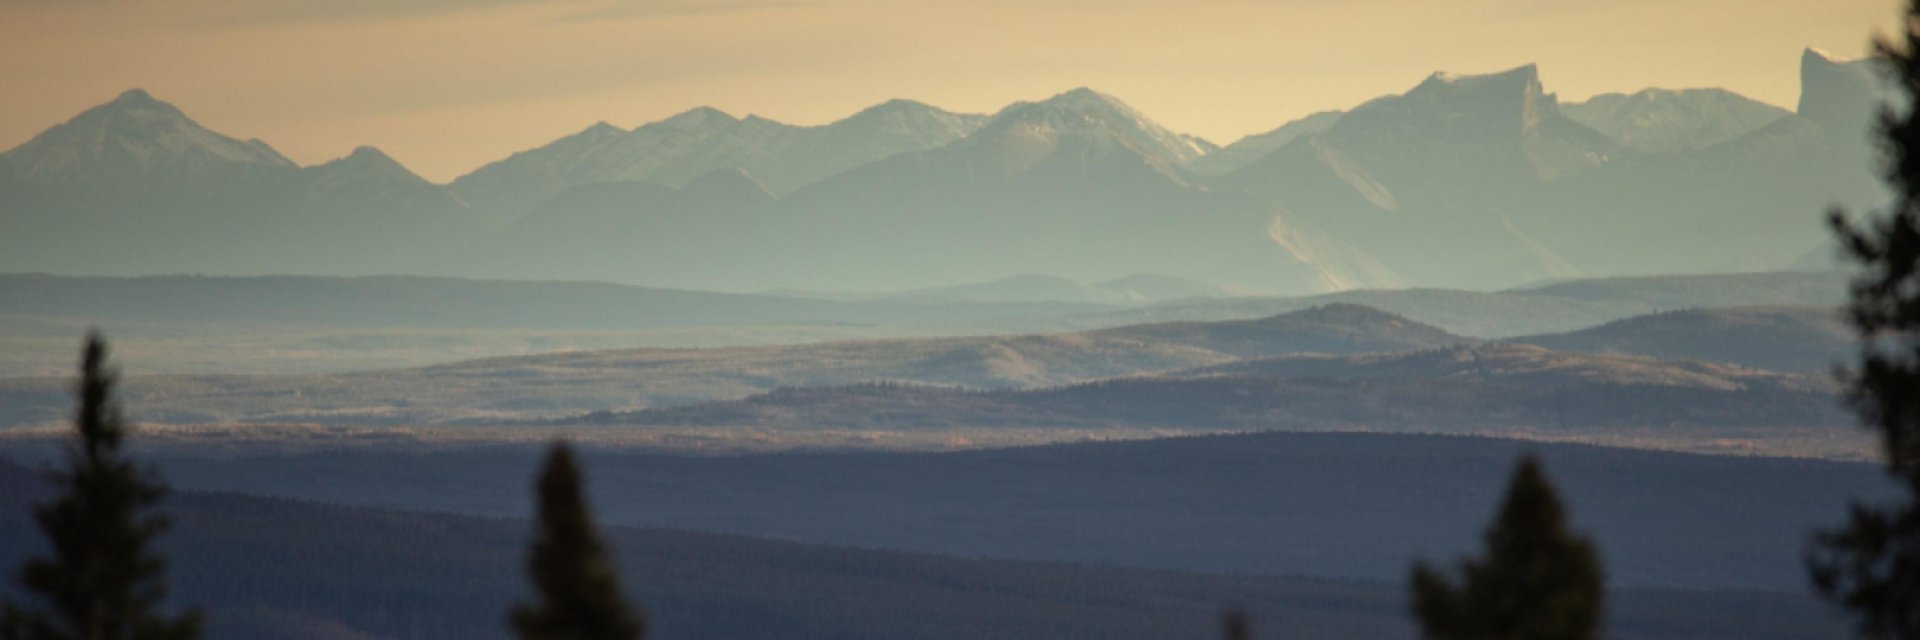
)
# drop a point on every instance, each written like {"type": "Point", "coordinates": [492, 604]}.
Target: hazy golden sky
{"type": "Point", "coordinates": [445, 86]}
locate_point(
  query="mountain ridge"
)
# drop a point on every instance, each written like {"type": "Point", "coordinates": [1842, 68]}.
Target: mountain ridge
{"type": "Point", "coordinates": [903, 196]}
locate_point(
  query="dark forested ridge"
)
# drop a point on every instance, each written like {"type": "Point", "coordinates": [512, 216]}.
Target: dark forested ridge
{"type": "Point", "coordinates": [1349, 506]}
{"type": "Point", "coordinates": [308, 571]}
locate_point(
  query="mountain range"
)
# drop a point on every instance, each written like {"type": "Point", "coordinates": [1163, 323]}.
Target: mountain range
{"type": "Point", "coordinates": [679, 150]}
{"type": "Point", "coordinates": [905, 196]}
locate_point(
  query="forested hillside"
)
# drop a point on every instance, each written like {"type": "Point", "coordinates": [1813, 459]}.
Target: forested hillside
{"type": "Point", "coordinates": [1347, 506]}
{"type": "Point", "coordinates": [308, 571]}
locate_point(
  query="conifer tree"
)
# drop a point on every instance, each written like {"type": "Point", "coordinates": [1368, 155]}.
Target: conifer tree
{"type": "Point", "coordinates": [1871, 564]}
{"type": "Point", "coordinates": [101, 580]}
{"type": "Point", "coordinates": [1538, 580]}
{"type": "Point", "coordinates": [579, 595]}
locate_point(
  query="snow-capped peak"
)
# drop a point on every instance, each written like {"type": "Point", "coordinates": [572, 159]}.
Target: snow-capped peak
{"type": "Point", "coordinates": [1525, 78]}
{"type": "Point", "coordinates": [1840, 92]}
{"type": "Point", "coordinates": [371, 157]}
{"type": "Point", "coordinates": [368, 163]}
{"type": "Point", "coordinates": [1825, 56]}
{"type": "Point", "coordinates": [1087, 98]}
{"type": "Point", "coordinates": [135, 96]}
{"type": "Point", "coordinates": [600, 130]}
{"type": "Point", "coordinates": [896, 105]}
{"type": "Point", "coordinates": [1084, 109]}
{"type": "Point", "coordinates": [135, 139]}
{"type": "Point", "coordinates": [696, 118]}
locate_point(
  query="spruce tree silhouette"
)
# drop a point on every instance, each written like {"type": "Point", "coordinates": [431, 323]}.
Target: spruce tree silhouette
{"type": "Point", "coordinates": [1539, 581]}
{"type": "Point", "coordinates": [101, 581]}
{"type": "Point", "coordinates": [579, 591]}
{"type": "Point", "coordinates": [1871, 564]}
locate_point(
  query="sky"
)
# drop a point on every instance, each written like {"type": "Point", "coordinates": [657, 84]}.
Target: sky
{"type": "Point", "coordinates": [445, 86]}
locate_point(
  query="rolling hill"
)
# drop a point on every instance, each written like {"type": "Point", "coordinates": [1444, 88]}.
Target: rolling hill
{"type": "Point", "coordinates": [1465, 389]}
{"type": "Point", "coordinates": [273, 325]}
{"type": "Point", "coordinates": [571, 383]}
{"type": "Point", "coordinates": [1555, 307]}
{"type": "Point", "coordinates": [1809, 339]}
{"type": "Point", "coordinates": [1338, 366]}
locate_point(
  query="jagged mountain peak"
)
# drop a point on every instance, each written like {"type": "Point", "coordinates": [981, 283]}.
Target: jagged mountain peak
{"type": "Point", "coordinates": [1525, 77]}
{"type": "Point", "coordinates": [901, 118]}
{"type": "Point", "coordinates": [1514, 96]}
{"type": "Point", "coordinates": [364, 167]}
{"type": "Point", "coordinates": [1514, 93]}
{"type": "Point", "coordinates": [370, 158]}
{"type": "Point", "coordinates": [368, 152]}
{"type": "Point", "coordinates": [684, 147]}
{"type": "Point", "coordinates": [1251, 149]}
{"type": "Point", "coordinates": [697, 117]}
{"type": "Point", "coordinates": [1673, 120]}
{"type": "Point", "coordinates": [1025, 132]}
{"type": "Point", "coordinates": [1104, 106]}
{"type": "Point", "coordinates": [136, 140]}
{"type": "Point", "coordinates": [1085, 97]}
{"type": "Point", "coordinates": [601, 129]}
{"type": "Point", "coordinates": [1502, 122]}
{"type": "Point", "coordinates": [135, 96]}
{"type": "Point", "coordinates": [1840, 93]}
{"type": "Point", "coordinates": [1822, 55]}
{"type": "Point", "coordinates": [896, 105]}
{"type": "Point", "coordinates": [135, 107]}
{"type": "Point", "coordinates": [505, 189]}
{"type": "Point", "coordinates": [900, 114]}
